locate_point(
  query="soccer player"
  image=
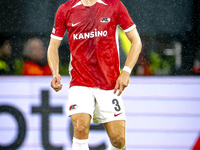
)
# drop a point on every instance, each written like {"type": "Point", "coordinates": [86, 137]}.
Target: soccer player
{"type": "Point", "coordinates": [96, 83]}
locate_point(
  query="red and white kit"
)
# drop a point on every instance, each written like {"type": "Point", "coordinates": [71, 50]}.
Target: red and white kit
{"type": "Point", "coordinates": [93, 40]}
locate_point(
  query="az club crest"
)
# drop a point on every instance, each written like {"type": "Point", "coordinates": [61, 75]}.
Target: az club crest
{"type": "Point", "coordinates": [104, 19]}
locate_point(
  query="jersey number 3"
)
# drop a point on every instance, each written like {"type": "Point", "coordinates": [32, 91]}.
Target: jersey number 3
{"type": "Point", "coordinates": [116, 103]}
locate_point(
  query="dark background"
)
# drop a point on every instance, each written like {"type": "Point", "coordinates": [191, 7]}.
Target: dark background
{"type": "Point", "coordinates": [159, 22]}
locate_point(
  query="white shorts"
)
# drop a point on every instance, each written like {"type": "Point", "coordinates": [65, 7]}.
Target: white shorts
{"type": "Point", "coordinates": [102, 105]}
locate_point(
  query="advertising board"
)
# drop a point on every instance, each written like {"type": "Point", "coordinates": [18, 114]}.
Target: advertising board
{"type": "Point", "coordinates": [163, 113]}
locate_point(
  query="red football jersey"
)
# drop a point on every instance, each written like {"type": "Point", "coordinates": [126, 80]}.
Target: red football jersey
{"type": "Point", "coordinates": [93, 40]}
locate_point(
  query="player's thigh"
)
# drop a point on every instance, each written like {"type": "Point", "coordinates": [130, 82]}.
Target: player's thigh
{"type": "Point", "coordinates": [109, 107]}
{"type": "Point", "coordinates": [81, 119]}
{"type": "Point", "coordinates": [115, 129]}
{"type": "Point", "coordinates": [81, 124]}
{"type": "Point", "coordinates": [80, 100]}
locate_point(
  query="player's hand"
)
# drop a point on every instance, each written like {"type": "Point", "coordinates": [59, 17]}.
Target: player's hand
{"type": "Point", "coordinates": [122, 82]}
{"type": "Point", "coordinates": [56, 82]}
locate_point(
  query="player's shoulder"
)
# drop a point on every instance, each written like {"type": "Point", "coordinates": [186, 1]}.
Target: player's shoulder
{"type": "Point", "coordinates": [113, 2]}
{"type": "Point", "coordinates": [70, 3]}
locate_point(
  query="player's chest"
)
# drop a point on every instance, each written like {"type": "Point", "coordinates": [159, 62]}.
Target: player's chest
{"type": "Point", "coordinates": [88, 19]}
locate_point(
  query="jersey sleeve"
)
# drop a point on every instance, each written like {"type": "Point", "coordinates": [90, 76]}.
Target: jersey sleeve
{"type": "Point", "coordinates": [59, 24]}
{"type": "Point", "coordinates": [124, 20]}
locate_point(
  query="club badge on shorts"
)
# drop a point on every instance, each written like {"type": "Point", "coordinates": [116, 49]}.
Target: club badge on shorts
{"type": "Point", "coordinates": [73, 107]}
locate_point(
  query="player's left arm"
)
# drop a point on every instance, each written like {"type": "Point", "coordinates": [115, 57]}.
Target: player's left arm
{"type": "Point", "coordinates": [136, 46]}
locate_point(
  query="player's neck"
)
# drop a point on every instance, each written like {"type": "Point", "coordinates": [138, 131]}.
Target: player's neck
{"type": "Point", "coordinates": [88, 2]}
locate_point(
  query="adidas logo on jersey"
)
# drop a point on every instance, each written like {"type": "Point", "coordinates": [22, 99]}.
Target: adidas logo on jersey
{"type": "Point", "coordinates": [88, 35]}
{"type": "Point", "coordinates": [104, 19]}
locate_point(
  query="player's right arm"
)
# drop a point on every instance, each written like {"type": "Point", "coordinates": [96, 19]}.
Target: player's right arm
{"type": "Point", "coordinates": [53, 61]}
{"type": "Point", "coordinates": [55, 41]}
